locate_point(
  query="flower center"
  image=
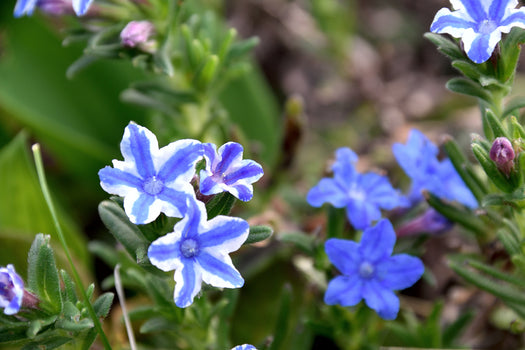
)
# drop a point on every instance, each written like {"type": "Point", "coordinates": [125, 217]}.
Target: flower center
{"type": "Point", "coordinates": [357, 194]}
{"type": "Point", "coordinates": [189, 248]}
{"type": "Point", "coordinates": [153, 186]}
{"type": "Point", "coordinates": [366, 270]}
{"type": "Point", "coordinates": [487, 26]}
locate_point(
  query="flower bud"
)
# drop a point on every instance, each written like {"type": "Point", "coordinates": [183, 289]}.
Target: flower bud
{"type": "Point", "coordinates": [430, 222]}
{"type": "Point", "coordinates": [56, 7]}
{"type": "Point", "coordinates": [136, 33]}
{"type": "Point", "coordinates": [11, 290]}
{"type": "Point", "coordinates": [502, 153]}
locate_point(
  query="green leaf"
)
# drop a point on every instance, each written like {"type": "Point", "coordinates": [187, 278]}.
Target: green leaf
{"type": "Point", "coordinates": [118, 224]}
{"type": "Point", "coordinates": [446, 46]}
{"type": "Point", "coordinates": [498, 130]}
{"type": "Point", "coordinates": [300, 239]}
{"type": "Point", "coordinates": [454, 330]}
{"type": "Point", "coordinates": [468, 87]}
{"type": "Point", "coordinates": [283, 319]}
{"type": "Point", "coordinates": [103, 304]}
{"type": "Point", "coordinates": [258, 234]}
{"type": "Point", "coordinates": [157, 324]}
{"type": "Point", "coordinates": [70, 293]}
{"type": "Point", "coordinates": [510, 52]}
{"type": "Point", "coordinates": [513, 105]}
{"type": "Point", "coordinates": [53, 342]}
{"type": "Point", "coordinates": [43, 274]}
{"type": "Point", "coordinates": [73, 325]}
{"type": "Point", "coordinates": [220, 204]}
{"type": "Point", "coordinates": [470, 70]}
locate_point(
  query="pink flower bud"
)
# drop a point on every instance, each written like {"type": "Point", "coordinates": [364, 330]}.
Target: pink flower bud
{"type": "Point", "coordinates": [502, 153]}
{"type": "Point", "coordinates": [136, 33]}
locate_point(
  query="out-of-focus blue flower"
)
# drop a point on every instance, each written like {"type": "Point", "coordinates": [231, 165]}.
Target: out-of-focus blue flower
{"type": "Point", "coordinates": [244, 347]}
{"type": "Point", "coordinates": [198, 251]}
{"type": "Point", "coordinates": [479, 24]}
{"type": "Point", "coordinates": [418, 158]}
{"type": "Point", "coordinates": [150, 179]}
{"type": "Point", "coordinates": [363, 195]}
{"type": "Point", "coordinates": [226, 171]}
{"type": "Point", "coordinates": [136, 33]}
{"type": "Point", "coordinates": [11, 290]}
{"type": "Point", "coordinates": [430, 222]}
{"type": "Point", "coordinates": [369, 271]}
{"type": "Point", "coordinates": [26, 7]}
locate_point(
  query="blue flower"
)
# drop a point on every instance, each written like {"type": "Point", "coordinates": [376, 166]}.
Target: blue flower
{"type": "Point", "coordinates": [150, 179]}
{"type": "Point", "coordinates": [226, 171]}
{"type": "Point", "coordinates": [26, 7]}
{"type": "Point", "coordinates": [479, 24]}
{"type": "Point", "coordinates": [419, 160]}
{"type": "Point", "coordinates": [369, 271]}
{"type": "Point", "coordinates": [198, 251]}
{"type": "Point", "coordinates": [363, 195]}
{"type": "Point", "coordinates": [244, 347]}
{"type": "Point", "coordinates": [11, 290]}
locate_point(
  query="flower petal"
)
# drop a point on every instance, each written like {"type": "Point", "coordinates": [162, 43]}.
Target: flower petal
{"type": "Point", "coordinates": [362, 213]}
{"type": "Point", "coordinates": [230, 153]}
{"type": "Point", "coordinates": [116, 181]}
{"type": "Point", "coordinates": [451, 23]}
{"type": "Point", "coordinates": [474, 8]}
{"type": "Point", "coordinates": [400, 271]}
{"type": "Point", "coordinates": [378, 242]}
{"type": "Point", "coordinates": [175, 200]}
{"type": "Point", "coordinates": [81, 6]}
{"type": "Point", "coordinates": [383, 300]}
{"type": "Point", "coordinates": [176, 161]}
{"type": "Point", "coordinates": [516, 19]}
{"type": "Point", "coordinates": [248, 172]}
{"type": "Point", "coordinates": [137, 146]}
{"type": "Point", "coordinates": [498, 8]}
{"type": "Point", "coordinates": [327, 191]}
{"type": "Point", "coordinates": [241, 191]}
{"type": "Point", "coordinates": [479, 47]}
{"type": "Point", "coordinates": [343, 167]}
{"type": "Point", "coordinates": [344, 255]}
{"type": "Point", "coordinates": [218, 270]}
{"type": "Point", "coordinates": [165, 253]}
{"type": "Point", "coordinates": [139, 208]}
{"type": "Point", "coordinates": [188, 283]}
{"type": "Point", "coordinates": [24, 7]}
{"type": "Point", "coordinates": [225, 234]}
{"type": "Point", "coordinates": [344, 290]}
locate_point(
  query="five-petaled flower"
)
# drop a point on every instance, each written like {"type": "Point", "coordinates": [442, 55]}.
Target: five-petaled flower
{"type": "Point", "coordinates": [150, 179]}
{"type": "Point", "coordinates": [479, 24]}
{"type": "Point", "coordinates": [11, 290]}
{"type": "Point", "coordinates": [363, 195]}
{"type": "Point", "coordinates": [226, 171]}
{"type": "Point", "coordinates": [369, 271]}
{"type": "Point", "coordinates": [26, 7]}
{"type": "Point", "coordinates": [419, 160]}
{"type": "Point", "coordinates": [198, 251]}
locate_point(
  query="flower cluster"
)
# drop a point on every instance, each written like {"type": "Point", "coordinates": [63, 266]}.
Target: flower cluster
{"type": "Point", "coordinates": [11, 290]}
{"type": "Point", "coordinates": [55, 7]}
{"type": "Point", "coordinates": [363, 195]}
{"type": "Point", "coordinates": [154, 181]}
{"type": "Point", "coordinates": [369, 271]}
{"type": "Point", "coordinates": [479, 24]}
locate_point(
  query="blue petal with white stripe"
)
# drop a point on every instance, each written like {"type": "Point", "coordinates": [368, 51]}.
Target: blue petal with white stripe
{"type": "Point", "coordinates": [226, 171]}
{"type": "Point", "coordinates": [479, 24]}
{"type": "Point", "coordinates": [152, 180]}
{"type": "Point", "coordinates": [198, 250]}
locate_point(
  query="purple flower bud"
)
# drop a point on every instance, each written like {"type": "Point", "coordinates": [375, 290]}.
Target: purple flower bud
{"type": "Point", "coordinates": [430, 222]}
{"type": "Point", "coordinates": [56, 7]}
{"type": "Point", "coordinates": [502, 153]}
{"type": "Point", "coordinates": [136, 33]}
{"type": "Point", "coordinates": [11, 290]}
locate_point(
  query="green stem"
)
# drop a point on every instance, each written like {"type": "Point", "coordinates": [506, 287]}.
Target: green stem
{"type": "Point", "coordinates": [47, 196]}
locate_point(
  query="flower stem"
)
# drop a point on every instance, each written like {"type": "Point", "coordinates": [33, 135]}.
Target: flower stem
{"type": "Point", "coordinates": [122, 301]}
{"type": "Point", "coordinates": [47, 196]}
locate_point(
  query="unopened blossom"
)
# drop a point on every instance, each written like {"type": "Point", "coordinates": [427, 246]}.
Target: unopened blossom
{"type": "Point", "coordinates": [419, 159]}
{"type": "Point", "coordinates": [502, 153]}
{"type": "Point", "coordinates": [26, 7]}
{"type": "Point", "coordinates": [11, 290]}
{"type": "Point", "coordinates": [150, 179]}
{"type": "Point", "coordinates": [430, 222]}
{"type": "Point", "coordinates": [479, 24]}
{"type": "Point", "coordinates": [198, 250]}
{"type": "Point", "coordinates": [363, 195]}
{"type": "Point", "coordinates": [370, 272]}
{"type": "Point", "coordinates": [136, 33]}
{"type": "Point", "coordinates": [226, 171]}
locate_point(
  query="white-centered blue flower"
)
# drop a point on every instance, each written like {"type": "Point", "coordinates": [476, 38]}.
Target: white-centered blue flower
{"type": "Point", "coordinates": [26, 7]}
{"type": "Point", "coordinates": [198, 251]}
{"type": "Point", "coordinates": [11, 290]}
{"type": "Point", "coordinates": [226, 171]}
{"type": "Point", "coordinates": [479, 24]}
{"type": "Point", "coordinates": [150, 179]}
